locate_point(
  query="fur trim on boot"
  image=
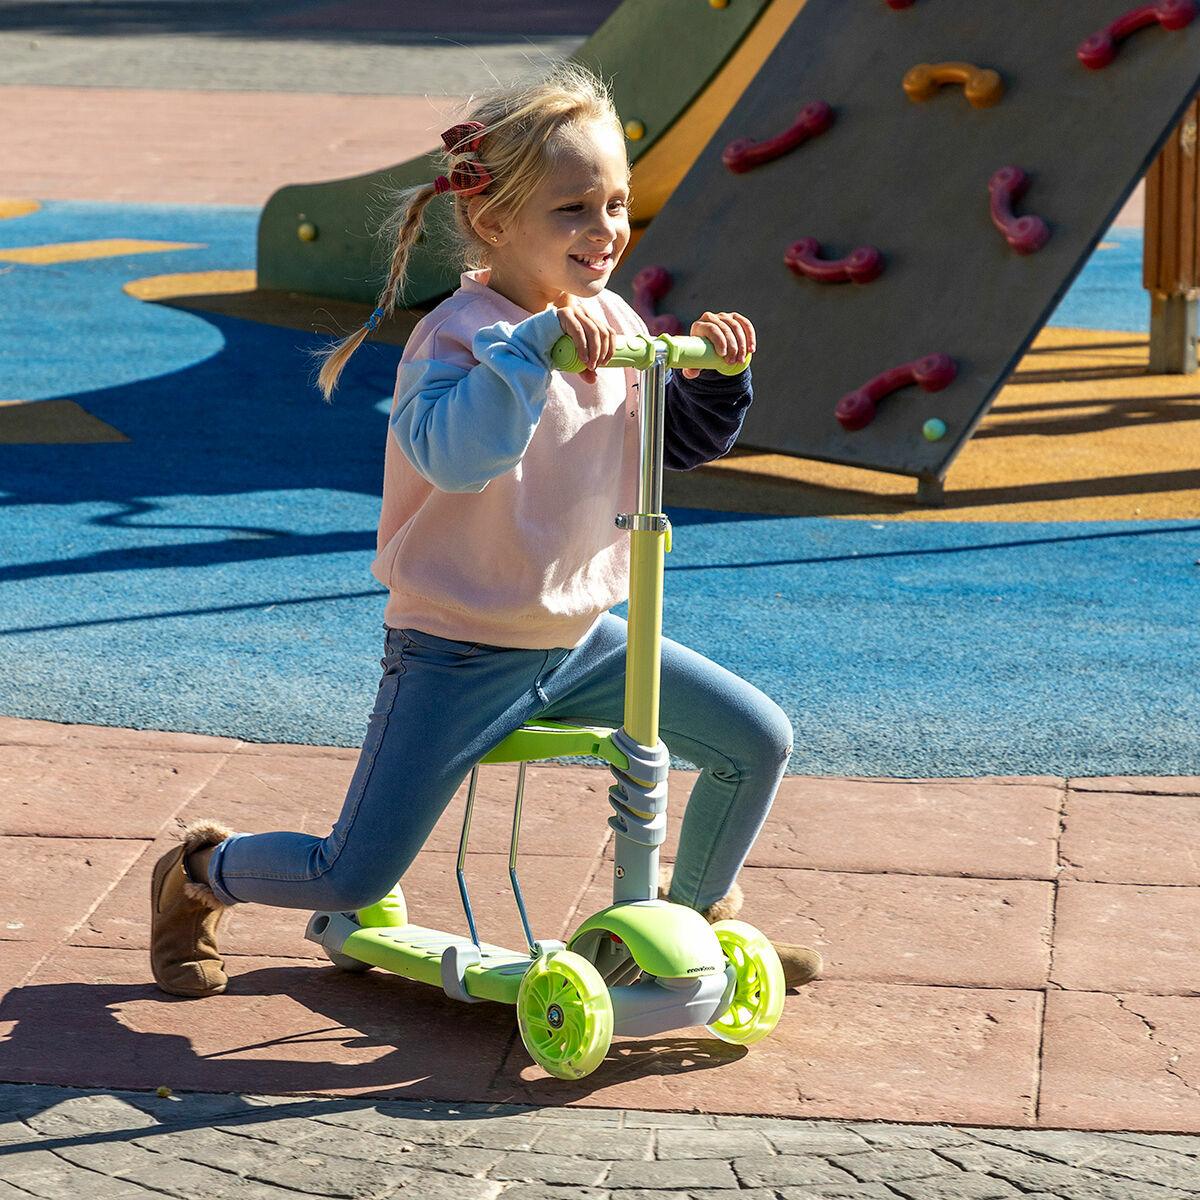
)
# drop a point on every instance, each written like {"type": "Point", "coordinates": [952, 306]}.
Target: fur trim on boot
{"type": "Point", "coordinates": [801, 964]}
{"type": "Point", "coordinates": [184, 915]}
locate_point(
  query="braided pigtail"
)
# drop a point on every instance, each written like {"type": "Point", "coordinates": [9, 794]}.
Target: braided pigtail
{"type": "Point", "coordinates": [405, 228]}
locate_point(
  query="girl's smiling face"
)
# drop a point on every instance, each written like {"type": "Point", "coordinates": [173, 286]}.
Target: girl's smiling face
{"type": "Point", "coordinates": [572, 230]}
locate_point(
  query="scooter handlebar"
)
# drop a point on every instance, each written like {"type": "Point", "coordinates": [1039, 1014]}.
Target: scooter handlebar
{"type": "Point", "coordinates": [638, 351]}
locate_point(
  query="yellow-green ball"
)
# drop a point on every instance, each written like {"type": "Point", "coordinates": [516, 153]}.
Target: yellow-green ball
{"type": "Point", "coordinates": [635, 130]}
{"type": "Point", "coordinates": [307, 232]}
{"type": "Point", "coordinates": [934, 429]}
{"type": "Point", "coordinates": [162, 1091]}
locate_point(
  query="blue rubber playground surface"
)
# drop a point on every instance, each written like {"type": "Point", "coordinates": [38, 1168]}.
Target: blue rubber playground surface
{"type": "Point", "coordinates": [210, 574]}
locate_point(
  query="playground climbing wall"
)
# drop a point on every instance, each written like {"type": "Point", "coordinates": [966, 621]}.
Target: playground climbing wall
{"type": "Point", "coordinates": [899, 200]}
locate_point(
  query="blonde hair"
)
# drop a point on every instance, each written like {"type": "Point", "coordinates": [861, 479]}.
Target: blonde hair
{"type": "Point", "coordinates": [517, 147]}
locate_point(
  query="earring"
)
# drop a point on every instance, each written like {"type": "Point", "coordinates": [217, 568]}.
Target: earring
{"type": "Point", "coordinates": [495, 238]}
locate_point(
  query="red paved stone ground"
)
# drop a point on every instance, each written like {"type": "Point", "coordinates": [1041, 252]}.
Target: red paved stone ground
{"type": "Point", "coordinates": [999, 951]}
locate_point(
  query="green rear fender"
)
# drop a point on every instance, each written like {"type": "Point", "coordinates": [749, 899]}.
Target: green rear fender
{"type": "Point", "coordinates": [667, 940]}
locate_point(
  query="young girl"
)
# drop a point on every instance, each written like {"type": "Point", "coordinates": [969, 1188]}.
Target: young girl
{"type": "Point", "coordinates": [497, 541]}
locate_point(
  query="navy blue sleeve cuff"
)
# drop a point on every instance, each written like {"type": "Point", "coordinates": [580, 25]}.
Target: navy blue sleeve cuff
{"type": "Point", "coordinates": [704, 417]}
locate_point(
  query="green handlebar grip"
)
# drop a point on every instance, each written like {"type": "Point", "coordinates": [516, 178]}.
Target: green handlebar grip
{"type": "Point", "coordinates": [638, 351]}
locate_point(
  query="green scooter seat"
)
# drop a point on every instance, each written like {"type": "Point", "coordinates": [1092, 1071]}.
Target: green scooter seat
{"type": "Point", "coordinates": [550, 739]}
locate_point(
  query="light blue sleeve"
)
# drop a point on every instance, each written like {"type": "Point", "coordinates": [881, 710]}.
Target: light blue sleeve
{"type": "Point", "coordinates": [459, 427]}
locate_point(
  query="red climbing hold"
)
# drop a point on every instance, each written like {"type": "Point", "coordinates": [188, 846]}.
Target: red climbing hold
{"type": "Point", "coordinates": [1100, 49]}
{"type": "Point", "coordinates": [861, 266]}
{"type": "Point", "coordinates": [856, 410]}
{"type": "Point", "coordinates": [1026, 235]}
{"type": "Point", "coordinates": [650, 285]}
{"type": "Point", "coordinates": [745, 153]}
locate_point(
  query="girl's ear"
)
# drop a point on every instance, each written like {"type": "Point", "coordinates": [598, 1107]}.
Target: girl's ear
{"type": "Point", "coordinates": [485, 223]}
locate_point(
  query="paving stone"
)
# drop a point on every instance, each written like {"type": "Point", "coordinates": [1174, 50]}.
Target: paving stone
{"type": "Point", "coordinates": [457, 1161]}
{"type": "Point", "coordinates": [523, 1136]}
{"type": "Point", "coordinates": [860, 1191]}
{"type": "Point", "coordinates": [1120, 1062]}
{"type": "Point", "coordinates": [705, 1173]}
{"type": "Point", "coordinates": [546, 1191]}
{"type": "Point", "coordinates": [1118, 938]}
{"type": "Point", "coordinates": [936, 827]}
{"type": "Point", "coordinates": [197, 1107]}
{"type": "Point", "coordinates": [890, 1166]}
{"type": "Point", "coordinates": [95, 1187]}
{"type": "Point", "coordinates": [93, 1113]}
{"type": "Point", "coordinates": [669, 1120]}
{"type": "Point", "coordinates": [715, 1194]}
{"type": "Point", "coordinates": [14, 1132]}
{"type": "Point", "coordinates": [386, 1143]}
{"type": "Point", "coordinates": [24, 1167]}
{"type": "Point", "coordinates": [1173, 785]}
{"type": "Point", "coordinates": [1150, 1166]}
{"type": "Point", "coordinates": [709, 1143]}
{"type": "Point", "coordinates": [786, 1170]}
{"type": "Point", "coordinates": [428, 1130]}
{"type": "Point", "coordinates": [52, 883]}
{"type": "Point", "coordinates": [21, 1099]}
{"type": "Point", "coordinates": [298, 1168]}
{"type": "Point", "coordinates": [611, 1145]}
{"type": "Point", "coordinates": [588, 1116]}
{"type": "Point", "coordinates": [557, 1169]}
{"type": "Point", "coordinates": [345, 1143]}
{"type": "Point", "coordinates": [167, 1174]}
{"type": "Point", "coordinates": [1127, 838]}
{"type": "Point", "coordinates": [959, 1186]}
{"type": "Point", "coordinates": [823, 1141]}
{"type": "Point", "coordinates": [52, 790]}
{"type": "Point", "coordinates": [1179, 1142]}
{"type": "Point", "coordinates": [1074, 1149]}
{"type": "Point", "coordinates": [910, 1137]}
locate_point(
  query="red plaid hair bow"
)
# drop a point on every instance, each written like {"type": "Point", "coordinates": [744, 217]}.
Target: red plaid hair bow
{"type": "Point", "coordinates": [469, 176]}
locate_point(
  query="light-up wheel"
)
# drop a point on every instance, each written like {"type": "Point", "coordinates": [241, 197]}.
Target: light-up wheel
{"type": "Point", "coordinates": [565, 1015]}
{"type": "Point", "coordinates": [758, 991]}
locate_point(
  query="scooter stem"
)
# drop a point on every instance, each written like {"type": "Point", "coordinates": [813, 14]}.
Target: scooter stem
{"type": "Point", "coordinates": [649, 531]}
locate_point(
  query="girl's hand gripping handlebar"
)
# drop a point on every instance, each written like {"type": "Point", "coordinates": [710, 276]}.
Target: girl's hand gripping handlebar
{"type": "Point", "coordinates": [637, 351]}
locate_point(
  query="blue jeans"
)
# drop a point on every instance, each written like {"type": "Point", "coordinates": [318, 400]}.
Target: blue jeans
{"type": "Point", "coordinates": [442, 705]}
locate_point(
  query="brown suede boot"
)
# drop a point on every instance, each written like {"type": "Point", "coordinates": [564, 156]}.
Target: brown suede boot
{"type": "Point", "coordinates": [184, 916]}
{"type": "Point", "coordinates": [801, 965]}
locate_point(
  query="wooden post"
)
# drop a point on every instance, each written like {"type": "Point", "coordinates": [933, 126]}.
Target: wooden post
{"type": "Point", "coordinates": [1171, 254]}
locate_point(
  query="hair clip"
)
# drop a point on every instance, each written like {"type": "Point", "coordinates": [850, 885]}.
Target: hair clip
{"type": "Point", "coordinates": [469, 177]}
{"type": "Point", "coordinates": [468, 133]}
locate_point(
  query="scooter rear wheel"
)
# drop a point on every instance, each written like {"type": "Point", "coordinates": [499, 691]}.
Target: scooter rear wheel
{"type": "Point", "coordinates": [757, 1002]}
{"type": "Point", "coordinates": [565, 1016]}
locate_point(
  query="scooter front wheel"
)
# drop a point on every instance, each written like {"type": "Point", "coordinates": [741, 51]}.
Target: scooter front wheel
{"type": "Point", "coordinates": [757, 1002]}
{"type": "Point", "coordinates": [565, 1016]}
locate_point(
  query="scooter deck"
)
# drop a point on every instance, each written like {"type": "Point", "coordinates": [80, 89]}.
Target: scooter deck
{"type": "Point", "coordinates": [416, 953]}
